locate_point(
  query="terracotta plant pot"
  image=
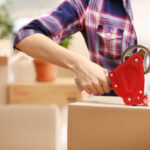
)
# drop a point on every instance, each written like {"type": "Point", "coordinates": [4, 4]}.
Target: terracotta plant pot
{"type": "Point", "coordinates": [44, 71]}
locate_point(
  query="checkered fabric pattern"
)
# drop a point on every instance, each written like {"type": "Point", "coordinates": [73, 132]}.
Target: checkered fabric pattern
{"type": "Point", "coordinates": [106, 26]}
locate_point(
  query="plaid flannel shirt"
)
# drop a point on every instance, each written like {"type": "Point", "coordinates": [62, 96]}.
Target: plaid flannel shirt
{"type": "Point", "coordinates": [106, 26]}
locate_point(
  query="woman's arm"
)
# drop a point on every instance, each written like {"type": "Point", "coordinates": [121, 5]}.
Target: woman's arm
{"type": "Point", "coordinates": [89, 75]}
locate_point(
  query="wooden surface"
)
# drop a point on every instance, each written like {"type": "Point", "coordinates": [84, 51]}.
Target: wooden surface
{"type": "Point", "coordinates": [4, 71]}
{"type": "Point", "coordinates": [61, 92]}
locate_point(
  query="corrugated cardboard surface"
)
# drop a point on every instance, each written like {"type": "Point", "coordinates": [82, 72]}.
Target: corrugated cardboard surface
{"type": "Point", "coordinates": [29, 128]}
{"type": "Point", "coordinates": [105, 123]}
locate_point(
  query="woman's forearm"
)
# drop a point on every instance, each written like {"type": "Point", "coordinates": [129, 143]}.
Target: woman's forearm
{"type": "Point", "coordinates": [41, 47]}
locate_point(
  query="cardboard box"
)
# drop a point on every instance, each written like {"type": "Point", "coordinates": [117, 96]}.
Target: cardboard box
{"type": "Point", "coordinates": [3, 60]}
{"type": "Point", "coordinates": [6, 75]}
{"type": "Point", "coordinates": [29, 128]}
{"type": "Point", "coordinates": [106, 123]}
{"type": "Point", "coordinates": [4, 79]}
{"type": "Point", "coordinates": [62, 92]}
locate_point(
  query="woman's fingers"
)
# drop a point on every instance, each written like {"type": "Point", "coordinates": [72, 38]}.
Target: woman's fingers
{"type": "Point", "coordinates": [105, 85]}
{"type": "Point", "coordinates": [95, 87]}
{"type": "Point", "coordinates": [86, 87]}
{"type": "Point", "coordinates": [90, 87]}
{"type": "Point", "coordinates": [98, 87]}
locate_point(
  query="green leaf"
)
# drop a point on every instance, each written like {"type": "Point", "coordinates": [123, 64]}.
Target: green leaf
{"type": "Point", "coordinates": [66, 42]}
{"type": "Point", "coordinates": [6, 23]}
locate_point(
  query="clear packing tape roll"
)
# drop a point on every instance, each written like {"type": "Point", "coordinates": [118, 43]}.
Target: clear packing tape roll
{"type": "Point", "coordinates": [145, 52]}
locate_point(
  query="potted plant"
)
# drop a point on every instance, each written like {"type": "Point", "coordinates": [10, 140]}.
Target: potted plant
{"type": "Point", "coordinates": [46, 71]}
{"type": "Point", "coordinates": [6, 27]}
{"type": "Point", "coordinates": [6, 24]}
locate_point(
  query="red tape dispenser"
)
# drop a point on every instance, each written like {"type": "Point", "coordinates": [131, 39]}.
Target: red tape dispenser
{"type": "Point", "coordinates": [127, 79]}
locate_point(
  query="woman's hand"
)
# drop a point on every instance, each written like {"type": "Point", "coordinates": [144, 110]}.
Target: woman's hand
{"type": "Point", "coordinates": [92, 78]}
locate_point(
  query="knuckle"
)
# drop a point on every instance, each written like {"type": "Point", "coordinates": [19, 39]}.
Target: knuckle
{"type": "Point", "coordinates": [108, 91]}
{"type": "Point", "coordinates": [102, 91]}
{"type": "Point", "coordinates": [89, 92]}
{"type": "Point", "coordinates": [95, 83]}
{"type": "Point", "coordinates": [88, 85]}
{"type": "Point", "coordinates": [101, 80]}
{"type": "Point", "coordinates": [83, 85]}
{"type": "Point", "coordinates": [95, 92]}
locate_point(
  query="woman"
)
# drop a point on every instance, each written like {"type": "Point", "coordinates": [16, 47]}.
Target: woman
{"type": "Point", "coordinates": [107, 27]}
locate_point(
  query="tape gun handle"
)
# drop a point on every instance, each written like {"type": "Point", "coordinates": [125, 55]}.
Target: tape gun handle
{"type": "Point", "coordinates": [78, 85]}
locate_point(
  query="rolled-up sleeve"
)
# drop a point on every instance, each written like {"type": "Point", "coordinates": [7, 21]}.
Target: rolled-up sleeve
{"type": "Point", "coordinates": [58, 24]}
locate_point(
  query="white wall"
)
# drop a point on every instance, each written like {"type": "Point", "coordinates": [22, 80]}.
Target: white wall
{"type": "Point", "coordinates": [141, 12]}
{"type": "Point", "coordinates": [22, 5]}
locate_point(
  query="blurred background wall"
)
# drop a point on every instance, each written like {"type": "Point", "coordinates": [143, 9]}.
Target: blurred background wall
{"type": "Point", "coordinates": [24, 5]}
{"type": "Point", "coordinates": [26, 9]}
